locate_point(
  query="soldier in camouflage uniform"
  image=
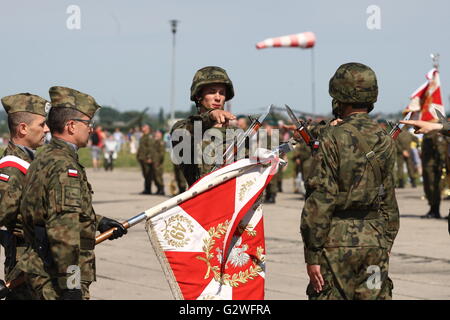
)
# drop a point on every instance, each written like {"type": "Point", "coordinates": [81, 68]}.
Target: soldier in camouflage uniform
{"type": "Point", "coordinates": [59, 222]}
{"type": "Point", "coordinates": [144, 155]}
{"type": "Point", "coordinates": [158, 153]}
{"type": "Point", "coordinates": [350, 218]}
{"type": "Point", "coordinates": [426, 127]}
{"type": "Point", "coordinates": [434, 154]}
{"type": "Point", "coordinates": [303, 159]}
{"type": "Point", "coordinates": [403, 144]}
{"type": "Point", "coordinates": [273, 140]}
{"type": "Point", "coordinates": [27, 127]}
{"type": "Point", "coordinates": [211, 88]}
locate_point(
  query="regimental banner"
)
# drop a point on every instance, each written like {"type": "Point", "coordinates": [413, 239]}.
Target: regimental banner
{"type": "Point", "coordinates": [426, 99]}
{"type": "Point", "coordinates": [212, 246]}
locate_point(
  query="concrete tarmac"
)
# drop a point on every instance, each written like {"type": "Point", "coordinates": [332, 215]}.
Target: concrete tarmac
{"type": "Point", "coordinates": [128, 268]}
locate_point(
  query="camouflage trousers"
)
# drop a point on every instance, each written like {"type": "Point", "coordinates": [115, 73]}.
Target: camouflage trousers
{"type": "Point", "coordinates": [158, 170]}
{"type": "Point", "coordinates": [412, 172]}
{"type": "Point", "coordinates": [354, 273]}
{"type": "Point", "coordinates": [45, 288]}
{"type": "Point", "coordinates": [148, 173]}
{"type": "Point", "coordinates": [179, 177]}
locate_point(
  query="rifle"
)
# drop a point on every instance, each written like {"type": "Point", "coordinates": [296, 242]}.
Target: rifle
{"type": "Point", "coordinates": [399, 126]}
{"type": "Point", "coordinates": [303, 131]}
{"type": "Point", "coordinates": [233, 148]}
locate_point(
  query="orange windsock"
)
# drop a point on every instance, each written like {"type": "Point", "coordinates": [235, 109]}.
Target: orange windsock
{"type": "Point", "coordinates": [301, 40]}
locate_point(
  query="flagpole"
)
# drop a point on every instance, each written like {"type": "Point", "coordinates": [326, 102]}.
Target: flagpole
{"type": "Point", "coordinates": [175, 201]}
{"type": "Point", "coordinates": [313, 81]}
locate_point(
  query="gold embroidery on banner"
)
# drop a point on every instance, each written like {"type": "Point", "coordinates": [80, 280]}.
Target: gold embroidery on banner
{"type": "Point", "coordinates": [244, 188]}
{"type": "Point", "coordinates": [176, 230]}
{"type": "Point", "coordinates": [241, 277]}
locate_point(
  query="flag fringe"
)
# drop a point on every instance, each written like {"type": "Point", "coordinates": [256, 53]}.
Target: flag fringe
{"type": "Point", "coordinates": [170, 277]}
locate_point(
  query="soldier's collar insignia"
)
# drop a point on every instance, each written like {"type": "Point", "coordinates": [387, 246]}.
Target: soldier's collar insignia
{"type": "Point", "coordinates": [4, 177]}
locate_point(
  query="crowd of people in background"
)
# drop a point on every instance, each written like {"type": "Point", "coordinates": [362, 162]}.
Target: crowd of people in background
{"type": "Point", "coordinates": [106, 147]}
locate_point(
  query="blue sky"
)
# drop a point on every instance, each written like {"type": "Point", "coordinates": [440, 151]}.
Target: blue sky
{"type": "Point", "coordinates": [122, 53]}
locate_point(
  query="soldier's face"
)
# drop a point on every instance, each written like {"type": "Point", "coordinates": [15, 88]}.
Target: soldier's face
{"type": "Point", "coordinates": [82, 131]}
{"type": "Point", "coordinates": [213, 96]}
{"type": "Point", "coordinates": [36, 131]}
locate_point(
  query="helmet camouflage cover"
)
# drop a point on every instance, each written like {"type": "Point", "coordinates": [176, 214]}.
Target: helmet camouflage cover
{"type": "Point", "coordinates": [354, 83]}
{"type": "Point", "coordinates": [211, 75]}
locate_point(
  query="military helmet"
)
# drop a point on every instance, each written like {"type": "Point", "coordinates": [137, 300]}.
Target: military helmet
{"type": "Point", "coordinates": [354, 83]}
{"type": "Point", "coordinates": [211, 75]}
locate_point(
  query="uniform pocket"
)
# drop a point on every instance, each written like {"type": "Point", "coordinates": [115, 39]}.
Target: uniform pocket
{"type": "Point", "coordinates": [72, 196]}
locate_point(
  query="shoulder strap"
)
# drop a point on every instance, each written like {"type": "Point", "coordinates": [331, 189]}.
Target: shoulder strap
{"type": "Point", "coordinates": [14, 162]}
{"type": "Point", "coordinates": [369, 154]}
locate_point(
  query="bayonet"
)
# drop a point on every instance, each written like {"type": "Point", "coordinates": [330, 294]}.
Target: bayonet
{"type": "Point", "coordinates": [237, 143]}
{"type": "Point", "coordinates": [399, 126]}
{"type": "Point", "coordinates": [303, 131]}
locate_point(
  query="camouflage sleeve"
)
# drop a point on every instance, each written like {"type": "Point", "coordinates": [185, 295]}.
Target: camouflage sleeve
{"type": "Point", "coordinates": [445, 129]}
{"type": "Point", "coordinates": [389, 206]}
{"type": "Point", "coordinates": [10, 192]}
{"type": "Point", "coordinates": [63, 222]}
{"type": "Point", "coordinates": [321, 200]}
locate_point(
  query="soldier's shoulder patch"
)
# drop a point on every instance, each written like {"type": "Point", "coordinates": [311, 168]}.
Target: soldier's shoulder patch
{"type": "Point", "coordinates": [72, 173]}
{"type": "Point", "coordinates": [4, 177]}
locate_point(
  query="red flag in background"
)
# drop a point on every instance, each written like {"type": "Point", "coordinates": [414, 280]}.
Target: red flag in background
{"type": "Point", "coordinates": [212, 246]}
{"type": "Point", "coordinates": [427, 98]}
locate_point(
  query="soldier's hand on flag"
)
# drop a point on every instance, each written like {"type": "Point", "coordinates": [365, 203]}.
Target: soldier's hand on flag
{"type": "Point", "coordinates": [106, 223]}
{"type": "Point", "coordinates": [422, 126]}
{"type": "Point", "coordinates": [315, 277]}
{"type": "Point", "coordinates": [221, 116]}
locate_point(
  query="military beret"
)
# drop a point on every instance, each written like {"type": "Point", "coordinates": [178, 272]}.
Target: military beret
{"type": "Point", "coordinates": [71, 98]}
{"type": "Point", "coordinates": [26, 102]}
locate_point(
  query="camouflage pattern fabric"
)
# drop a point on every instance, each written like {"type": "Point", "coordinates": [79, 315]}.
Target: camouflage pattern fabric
{"type": "Point", "coordinates": [354, 83]}
{"type": "Point", "coordinates": [70, 98]}
{"type": "Point", "coordinates": [158, 153]}
{"type": "Point", "coordinates": [45, 288]}
{"type": "Point", "coordinates": [434, 153]}
{"type": "Point", "coordinates": [26, 102]}
{"type": "Point", "coordinates": [10, 217]}
{"type": "Point", "coordinates": [344, 208]}
{"type": "Point", "coordinates": [193, 171]}
{"type": "Point", "coordinates": [179, 178]}
{"type": "Point", "coordinates": [344, 279]}
{"type": "Point", "coordinates": [146, 152]}
{"type": "Point", "coordinates": [61, 203]}
{"type": "Point", "coordinates": [403, 143]}
{"type": "Point", "coordinates": [302, 152]}
{"type": "Point", "coordinates": [211, 75]}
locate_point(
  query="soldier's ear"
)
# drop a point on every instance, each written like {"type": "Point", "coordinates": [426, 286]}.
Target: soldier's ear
{"type": "Point", "coordinates": [21, 129]}
{"type": "Point", "coordinates": [70, 126]}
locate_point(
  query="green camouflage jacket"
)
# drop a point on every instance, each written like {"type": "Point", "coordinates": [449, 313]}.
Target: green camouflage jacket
{"type": "Point", "coordinates": [159, 150]}
{"type": "Point", "coordinates": [146, 148]}
{"type": "Point", "coordinates": [194, 169]}
{"type": "Point", "coordinates": [404, 139]}
{"type": "Point", "coordinates": [11, 191]}
{"type": "Point", "coordinates": [58, 197]}
{"type": "Point", "coordinates": [343, 206]}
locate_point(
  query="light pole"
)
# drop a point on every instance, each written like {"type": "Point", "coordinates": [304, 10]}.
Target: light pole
{"type": "Point", "coordinates": [173, 23]}
{"type": "Point", "coordinates": [313, 82]}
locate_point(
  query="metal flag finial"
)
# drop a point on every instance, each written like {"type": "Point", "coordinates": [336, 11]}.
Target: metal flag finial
{"type": "Point", "coordinates": [435, 58]}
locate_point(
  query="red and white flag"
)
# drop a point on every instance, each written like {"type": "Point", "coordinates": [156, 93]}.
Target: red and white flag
{"type": "Point", "coordinates": [426, 99]}
{"type": "Point", "coordinates": [212, 246]}
{"type": "Point", "coordinates": [301, 40]}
